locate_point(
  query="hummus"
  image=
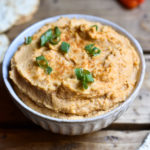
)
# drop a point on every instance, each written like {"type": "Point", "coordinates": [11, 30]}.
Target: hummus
{"type": "Point", "coordinates": [59, 93]}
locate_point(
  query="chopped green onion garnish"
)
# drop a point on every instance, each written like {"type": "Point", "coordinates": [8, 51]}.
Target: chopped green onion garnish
{"type": "Point", "coordinates": [89, 47]}
{"type": "Point", "coordinates": [28, 40]}
{"type": "Point", "coordinates": [52, 37]}
{"type": "Point", "coordinates": [96, 51]}
{"type": "Point", "coordinates": [46, 37]}
{"type": "Point", "coordinates": [88, 76]}
{"type": "Point", "coordinates": [43, 63]}
{"type": "Point", "coordinates": [79, 73]}
{"type": "Point", "coordinates": [48, 70]}
{"type": "Point", "coordinates": [64, 47]}
{"type": "Point", "coordinates": [95, 26]}
{"type": "Point", "coordinates": [93, 51]}
{"type": "Point", "coordinates": [55, 40]}
{"type": "Point", "coordinates": [84, 76]}
{"type": "Point", "coordinates": [57, 31]}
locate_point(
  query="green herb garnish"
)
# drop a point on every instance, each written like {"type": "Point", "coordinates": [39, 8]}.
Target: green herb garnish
{"type": "Point", "coordinates": [28, 40]}
{"type": "Point", "coordinates": [46, 37]}
{"type": "Point", "coordinates": [43, 63]}
{"type": "Point", "coordinates": [64, 47]}
{"type": "Point", "coordinates": [52, 37]}
{"type": "Point", "coordinates": [93, 51]}
{"type": "Point", "coordinates": [55, 40]}
{"type": "Point", "coordinates": [95, 27]}
{"type": "Point", "coordinates": [84, 76]}
{"type": "Point", "coordinates": [57, 31]}
{"type": "Point", "coordinates": [48, 69]}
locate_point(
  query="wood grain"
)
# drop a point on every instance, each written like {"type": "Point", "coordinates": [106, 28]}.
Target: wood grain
{"type": "Point", "coordinates": [136, 21]}
{"type": "Point", "coordinates": [43, 140]}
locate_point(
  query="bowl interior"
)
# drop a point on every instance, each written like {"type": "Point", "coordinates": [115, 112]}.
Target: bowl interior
{"type": "Point", "coordinates": [19, 40]}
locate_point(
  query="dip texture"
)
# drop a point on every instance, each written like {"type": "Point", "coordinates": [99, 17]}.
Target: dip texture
{"type": "Point", "coordinates": [60, 93]}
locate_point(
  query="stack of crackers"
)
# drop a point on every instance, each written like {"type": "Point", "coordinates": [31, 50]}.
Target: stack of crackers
{"type": "Point", "coordinates": [14, 12]}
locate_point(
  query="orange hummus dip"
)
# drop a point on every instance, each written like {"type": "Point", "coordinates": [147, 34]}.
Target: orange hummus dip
{"type": "Point", "coordinates": [57, 91]}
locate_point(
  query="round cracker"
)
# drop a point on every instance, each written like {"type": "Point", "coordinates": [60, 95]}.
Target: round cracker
{"type": "Point", "coordinates": [15, 12]}
{"type": "Point", "coordinates": [8, 15]}
{"type": "Point", "coordinates": [26, 9]}
{"type": "Point", "coordinates": [4, 43]}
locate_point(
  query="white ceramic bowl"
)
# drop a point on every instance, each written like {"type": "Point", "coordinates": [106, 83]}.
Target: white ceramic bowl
{"type": "Point", "coordinates": [64, 126]}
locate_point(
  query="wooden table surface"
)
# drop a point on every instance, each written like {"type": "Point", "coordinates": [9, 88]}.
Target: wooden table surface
{"type": "Point", "coordinates": [126, 133]}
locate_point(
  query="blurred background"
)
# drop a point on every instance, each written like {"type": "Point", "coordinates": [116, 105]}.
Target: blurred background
{"type": "Point", "coordinates": [136, 20]}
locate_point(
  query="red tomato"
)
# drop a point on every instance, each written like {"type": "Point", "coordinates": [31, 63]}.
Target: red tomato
{"type": "Point", "coordinates": [141, 1]}
{"type": "Point", "coordinates": [131, 3]}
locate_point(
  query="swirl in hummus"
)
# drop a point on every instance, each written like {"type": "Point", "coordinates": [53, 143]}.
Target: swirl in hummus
{"type": "Point", "coordinates": [55, 89]}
